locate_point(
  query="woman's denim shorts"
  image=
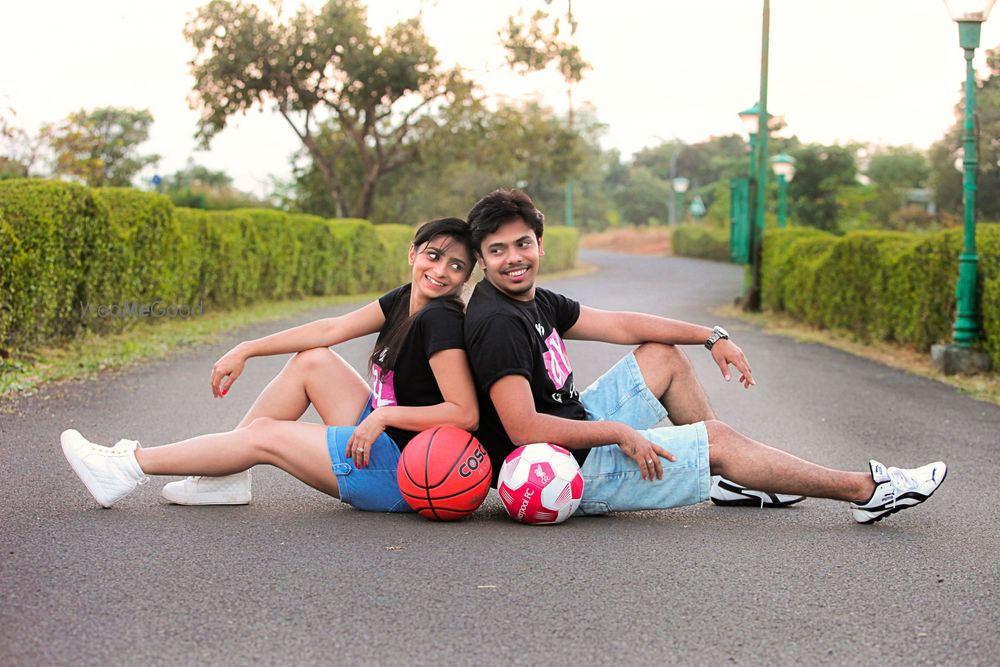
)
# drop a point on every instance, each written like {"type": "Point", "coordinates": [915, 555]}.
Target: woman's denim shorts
{"type": "Point", "coordinates": [612, 481]}
{"type": "Point", "coordinates": [374, 487]}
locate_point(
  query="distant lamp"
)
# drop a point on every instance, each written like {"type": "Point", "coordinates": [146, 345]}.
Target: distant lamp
{"type": "Point", "coordinates": [680, 186]}
{"type": "Point", "coordinates": [783, 166]}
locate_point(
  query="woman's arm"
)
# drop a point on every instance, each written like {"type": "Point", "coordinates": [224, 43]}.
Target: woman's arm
{"type": "Point", "coordinates": [459, 408]}
{"type": "Point", "coordinates": [321, 333]}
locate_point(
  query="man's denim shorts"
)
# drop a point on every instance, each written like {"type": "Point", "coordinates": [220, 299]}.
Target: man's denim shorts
{"type": "Point", "coordinates": [373, 488]}
{"type": "Point", "coordinates": [612, 481]}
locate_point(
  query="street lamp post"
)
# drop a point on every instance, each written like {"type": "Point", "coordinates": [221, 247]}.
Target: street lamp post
{"type": "Point", "coordinates": [751, 295]}
{"type": "Point", "coordinates": [783, 166]}
{"type": "Point", "coordinates": [969, 14]}
{"type": "Point", "coordinates": [680, 186]}
{"type": "Point", "coordinates": [752, 118]}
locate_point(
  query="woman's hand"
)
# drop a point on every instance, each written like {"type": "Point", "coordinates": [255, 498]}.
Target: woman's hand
{"type": "Point", "coordinates": [226, 370]}
{"type": "Point", "coordinates": [359, 446]}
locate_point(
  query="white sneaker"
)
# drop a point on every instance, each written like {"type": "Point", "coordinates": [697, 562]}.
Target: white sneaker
{"type": "Point", "coordinates": [731, 494]}
{"type": "Point", "coordinates": [110, 473]}
{"type": "Point", "coordinates": [897, 489]}
{"type": "Point", "coordinates": [228, 490]}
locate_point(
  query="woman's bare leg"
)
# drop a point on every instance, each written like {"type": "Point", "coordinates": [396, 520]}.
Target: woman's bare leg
{"type": "Point", "coordinates": [297, 448]}
{"type": "Point", "coordinates": [318, 376]}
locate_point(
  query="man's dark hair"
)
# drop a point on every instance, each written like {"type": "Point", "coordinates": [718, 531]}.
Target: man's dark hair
{"type": "Point", "coordinates": [387, 350]}
{"type": "Point", "coordinates": [499, 207]}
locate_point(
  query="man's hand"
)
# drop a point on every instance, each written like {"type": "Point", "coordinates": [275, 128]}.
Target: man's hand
{"type": "Point", "coordinates": [226, 370]}
{"type": "Point", "coordinates": [644, 453]}
{"type": "Point", "coordinates": [360, 443]}
{"type": "Point", "coordinates": [726, 352]}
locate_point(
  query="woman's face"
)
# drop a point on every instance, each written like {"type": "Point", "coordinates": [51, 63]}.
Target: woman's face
{"type": "Point", "coordinates": [440, 267]}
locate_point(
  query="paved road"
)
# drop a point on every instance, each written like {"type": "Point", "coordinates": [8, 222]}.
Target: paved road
{"type": "Point", "coordinates": [297, 579]}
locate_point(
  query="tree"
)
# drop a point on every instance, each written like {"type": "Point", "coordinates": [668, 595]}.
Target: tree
{"type": "Point", "coordinates": [898, 167]}
{"type": "Point", "coordinates": [533, 46]}
{"type": "Point", "coordinates": [196, 186]}
{"type": "Point", "coordinates": [100, 147]}
{"type": "Point", "coordinates": [478, 149]}
{"type": "Point", "coordinates": [346, 93]}
{"type": "Point", "coordinates": [944, 178]}
{"type": "Point", "coordinates": [644, 198]}
{"type": "Point", "coordinates": [821, 172]}
{"type": "Point", "coordinates": [21, 150]}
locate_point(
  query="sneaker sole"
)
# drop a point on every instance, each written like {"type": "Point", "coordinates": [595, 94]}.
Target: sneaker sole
{"type": "Point", "coordinates": [205, 499]}
{"type": "Point", "coordinates": [898, 508]}
{"type": "Point", "coordinates": [82, 472]}
{"type": "Point", "coordinates": [743, 500]}
{"type": "Point", "coordinates": [755, 502]}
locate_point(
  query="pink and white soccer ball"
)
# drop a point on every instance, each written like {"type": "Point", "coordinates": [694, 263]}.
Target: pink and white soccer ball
{"type": "Point", "coordinates": [540, 484]}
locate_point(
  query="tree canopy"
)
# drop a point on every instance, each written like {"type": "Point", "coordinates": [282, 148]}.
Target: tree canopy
{"type": "Point", "coordinates": [348, 94]}
{"type": "Point", "coordinates": [101, 147]}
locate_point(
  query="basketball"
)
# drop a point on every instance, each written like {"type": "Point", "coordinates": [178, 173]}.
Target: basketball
{"type": "Point", "coordinates": [444, 473]}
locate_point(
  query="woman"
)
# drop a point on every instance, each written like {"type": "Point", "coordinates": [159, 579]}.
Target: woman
{"type": "Point", "coordinates": [420, 375]}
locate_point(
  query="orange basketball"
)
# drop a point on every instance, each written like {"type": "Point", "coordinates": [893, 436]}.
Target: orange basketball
{"type": "Point", "coordinates": [444, 473]}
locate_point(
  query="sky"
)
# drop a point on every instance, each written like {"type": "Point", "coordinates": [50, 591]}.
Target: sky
{"type": "Point", "coordinates": [886, 72]}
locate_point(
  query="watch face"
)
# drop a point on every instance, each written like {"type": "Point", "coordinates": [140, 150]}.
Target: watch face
{"type": "Point", "coordinates": [722, 332]}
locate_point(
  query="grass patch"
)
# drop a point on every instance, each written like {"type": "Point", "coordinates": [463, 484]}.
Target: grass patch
{"type": "Point", "coordinates": [985, 387]}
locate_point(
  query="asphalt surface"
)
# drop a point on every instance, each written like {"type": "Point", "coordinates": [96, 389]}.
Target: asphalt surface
{"type": "Point", "coordinates": [296, 578]}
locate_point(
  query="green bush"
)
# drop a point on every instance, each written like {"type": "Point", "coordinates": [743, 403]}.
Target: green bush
{"type": "Point", "coordinates": [394, 242]}
{"type": "Point", "coordinates": [880, 285]}
{"type": "Point", "coordinates": [706, 242]}
{"type": "Point", "coordinates": [57, 239]}
{"type": "Point", "coordinates": [560, 245]}
{"type": "Point", "coordinates": [149, 259]}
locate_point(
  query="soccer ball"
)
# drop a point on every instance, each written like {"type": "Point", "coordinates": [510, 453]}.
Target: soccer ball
{"type": "Point", "coordinates": [540, 484]}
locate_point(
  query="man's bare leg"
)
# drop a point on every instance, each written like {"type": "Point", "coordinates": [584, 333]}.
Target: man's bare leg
{"type": "Point", "coordinates": [671, 378]}
{"type": "Point", "coordinates": [758, 466]}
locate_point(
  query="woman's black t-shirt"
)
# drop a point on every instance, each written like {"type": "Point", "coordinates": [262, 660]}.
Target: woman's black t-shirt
{"type": "Point", "coordinates": [410, 382]}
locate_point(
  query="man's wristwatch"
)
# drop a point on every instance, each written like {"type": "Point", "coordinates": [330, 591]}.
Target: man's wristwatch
{"type": "Point", "coordinates": [718, 333]}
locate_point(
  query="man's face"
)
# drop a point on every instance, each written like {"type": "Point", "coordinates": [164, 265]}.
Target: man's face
{"type": "Point", "coordinates": [510, 259]}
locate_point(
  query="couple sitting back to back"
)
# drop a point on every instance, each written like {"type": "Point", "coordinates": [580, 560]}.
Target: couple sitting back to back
{"type": "Point", "coordinates": [520, 390]}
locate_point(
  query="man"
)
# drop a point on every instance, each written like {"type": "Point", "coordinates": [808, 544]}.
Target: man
{"type": "Point", "coordinates": [514, 333]}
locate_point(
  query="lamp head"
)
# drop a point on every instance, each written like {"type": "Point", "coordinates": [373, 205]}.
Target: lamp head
{"type": "Point", "coordinates": [783, 164]}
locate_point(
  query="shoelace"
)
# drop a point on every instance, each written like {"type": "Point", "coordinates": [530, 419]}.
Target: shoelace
{"type": "Point", "coordinates": [901, 483]}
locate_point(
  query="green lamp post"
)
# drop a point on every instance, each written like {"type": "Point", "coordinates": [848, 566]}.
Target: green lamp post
{"type": "Point", "coordinates": [959, 357]}
{"type": "Point", "coordinates": [680, 186]}
{"type": "Point", "coordinates": [783, 166]}
{"type": "Point", "coordinates": [757, 132]}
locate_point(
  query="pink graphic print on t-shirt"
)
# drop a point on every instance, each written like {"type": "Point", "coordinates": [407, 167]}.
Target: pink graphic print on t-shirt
{"type": "Point", "coordinates": [383, 389]}
{"type": "Point", "coordinates": [556, 360]}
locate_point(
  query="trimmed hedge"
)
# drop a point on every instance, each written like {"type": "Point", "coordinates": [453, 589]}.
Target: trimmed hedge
{"type": "Point", "coordinates": [63, 246]}
{"type": "Point", "coordinates": [57, 242]}
{"type": "Point", "coordinates": [561, 245]}
{"type": "Point", "coordinates": [880, 285]}
{"type": "Point", "coordinates": [701, 241]}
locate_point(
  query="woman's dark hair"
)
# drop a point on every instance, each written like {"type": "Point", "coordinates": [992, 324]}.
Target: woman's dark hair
{"type": "Point", "coordinates": [499, 207]}
{"type": "Point", "coordinates": [386, 351]}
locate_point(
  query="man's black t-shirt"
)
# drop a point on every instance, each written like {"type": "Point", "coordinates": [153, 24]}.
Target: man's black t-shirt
{"type": "Point", "coordinates": [437, 326]}
{"type": "Point", "coordinates": [504, 337]}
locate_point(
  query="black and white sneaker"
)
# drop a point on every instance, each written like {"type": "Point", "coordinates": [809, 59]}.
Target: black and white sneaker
{"type": "Point", "coordinates": [897, 489]}
{"type": "Point", "coordinates": [731, 494]}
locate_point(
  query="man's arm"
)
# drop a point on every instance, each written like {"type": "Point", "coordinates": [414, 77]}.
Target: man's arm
{"type": "Point", "coordinates": [628, 328]}
{"type": "Point", "coordinates": [511, 395]}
